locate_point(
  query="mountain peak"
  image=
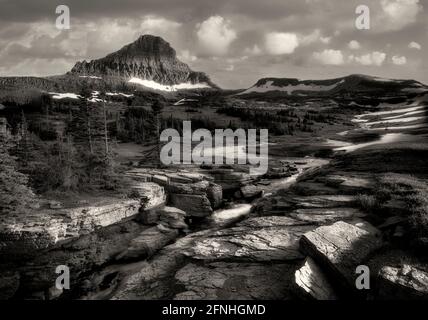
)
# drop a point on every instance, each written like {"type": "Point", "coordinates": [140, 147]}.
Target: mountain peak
{"type": "Point", "coordinates": [147, 58]}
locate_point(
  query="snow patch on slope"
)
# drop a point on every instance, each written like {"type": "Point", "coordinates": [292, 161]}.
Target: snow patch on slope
{"type": "Point", "coordinates": [161, 87]}
{"type": "Point", "coordinates": [58, 96]}
{"type": "Point", "coordinates": [268, 86]}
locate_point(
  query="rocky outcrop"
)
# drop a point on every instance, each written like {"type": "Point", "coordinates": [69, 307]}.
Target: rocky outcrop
{"type": "Point", "coordinates": [313, 282]}
{"type": "Point", "coordinates": [152, 279]}
{"type": "Point", "coordinates": [234, 281]}
{"type": "Point", "coordinates": [340, 248]}
{"type": "Point", "coordinates": [149, 57]}
{"type": "Point", "coordinates": [323, 201]}
{"type": "Point", "coordinates": [82, 255]}
{"type": "Point", "coordinates": [193, 204]}
{"type": "Point", "coordinates": [150, 194]}
{"type": "Point", "coordinates": [256, 239]}
{"type": "Point", "coordinates": [405, 282]}
{"type": "Point", "coordinates": [348, 182]}
{"type": "Point", "coordinates": [323, 216]}
{"type": "Point", "coordinates": [229, 178]}
{"type": "Point", "coordinates": [47, 228]}
{"type": "Point", "coordinates": [251, 192]}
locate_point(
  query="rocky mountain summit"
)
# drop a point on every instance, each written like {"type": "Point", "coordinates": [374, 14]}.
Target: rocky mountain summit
{"type": "Point", "coordinates": [149, 57]}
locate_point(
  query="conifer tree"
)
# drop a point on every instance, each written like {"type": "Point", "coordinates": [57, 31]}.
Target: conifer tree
{"type": "Point", "coordinates": [15, 195]}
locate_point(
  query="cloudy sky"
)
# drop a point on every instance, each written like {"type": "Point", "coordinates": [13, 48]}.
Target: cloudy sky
{"type": "Point", "coordinates": [236, 42]}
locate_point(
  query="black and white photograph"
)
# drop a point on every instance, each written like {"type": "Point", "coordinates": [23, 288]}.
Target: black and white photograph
{"type": "Point", "coordinates": [238, 151]}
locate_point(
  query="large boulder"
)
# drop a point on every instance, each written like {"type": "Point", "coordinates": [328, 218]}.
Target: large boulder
{"type": "Point", "coordinates": [405, 282]}
{"type": "Point", "coordinates": [313, 282]}
{"type": "Point", "coordinates": [251, 191]}
{"type": "Point", "coordinates": [194, 205]}
{"type": "Point", "coordinates": [340, 248]}
{"type": "Point", "coordinates": [199, 188]}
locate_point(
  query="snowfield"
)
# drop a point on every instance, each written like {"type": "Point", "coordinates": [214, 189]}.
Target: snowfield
{"type": "Point", "coordinates": [90, 77]}
{"type": "Point", "coordinates": [161, 87]}
{"type": "Point", "coordinates": [396, 120]}
{"type": "Point", "coordinates": [58, 96]}
{"type": "Point", "coordinates": [268, 86]}
{"type": "Point", "coordinates": [119, 94]}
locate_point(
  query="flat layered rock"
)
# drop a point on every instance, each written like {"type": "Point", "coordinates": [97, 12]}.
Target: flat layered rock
{"type": "Point", "coordinates": [193, 205]}
{"type": "Point", "coordinates": [198, 188]}
{"type": "Point", "coordinates": [406, 282]}
{"type": "Point", "coordinates": [45, 229]}
{"type": "Point", "coordinates": [235, 281]}
{"type": "Point", "coordinates": [326, 215]}
{"type": "Point", "coordinates": [322, 201]}
{"type": "Point", "coordinates": [307, 188]}
{"type": "Point", "coordinates": [252, 241]}
{"type": "Point", "coordinates": [151, 194]}
{"type": "Point", "coordinates": [151, 279]}
{"type": "Point", "coordinates": [351, 182]}
{"type": "Point", "coordinates": [340, 248]}
{"type": "Point", "coordinates": [313, 282]}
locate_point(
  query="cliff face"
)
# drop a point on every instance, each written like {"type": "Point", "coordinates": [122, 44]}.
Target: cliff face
{"type": "Point", "coordinates": [149, 57]}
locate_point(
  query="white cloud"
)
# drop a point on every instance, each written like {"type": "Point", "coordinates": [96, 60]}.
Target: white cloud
{"type": "Point", "coordinates": [399, 13]}
{"type": "Point", "coordinates": [154, 24]}
{"type": "Point", "coordinates": [415, 45]}
{"type": "Point", "coordinates": [329, 56]}
{"type": "Point", "coordinates": [278, 43]}
{"type": "Point", "coordinates": [313, 37]}
{"type": "Point", "coordinates": [254, 51]}
{"type": "Point", "coordinates": [354, 45]}
{"type": "Point", "coordinates": [375, 58]}
{"type": "Point", "coordinates": [186, 56]}
{"type": "Point", "coordinates": [215, 35]}
{"type": "Point", "coordinates": [399, 60]}
{"type": "Point", "coordinates": [325, 40]}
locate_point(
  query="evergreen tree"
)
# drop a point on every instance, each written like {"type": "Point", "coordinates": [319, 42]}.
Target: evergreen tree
{"type": "Point", "coordinates": [15, 195]}
{"type": "Point", "coordinates": [157, 108]}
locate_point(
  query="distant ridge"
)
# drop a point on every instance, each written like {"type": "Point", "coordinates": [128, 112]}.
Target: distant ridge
{"type": "Point", "coordinates": [355, 83]}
